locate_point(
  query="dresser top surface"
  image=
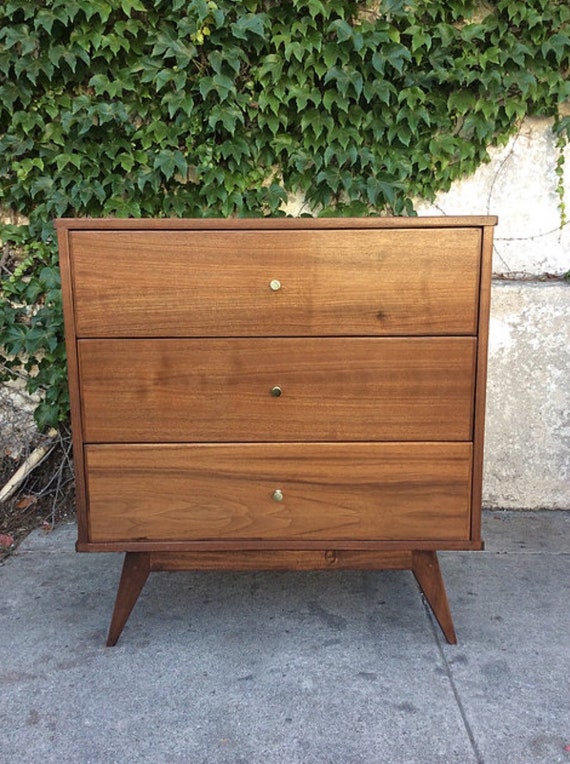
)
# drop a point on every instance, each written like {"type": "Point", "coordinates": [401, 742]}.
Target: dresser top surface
{"type": "Point", "coordinates": [283, 223]}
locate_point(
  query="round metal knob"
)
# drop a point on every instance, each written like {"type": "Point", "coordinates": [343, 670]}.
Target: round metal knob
{"type": "Point", "coordinates": [277, 495]}
{"type": "Point", "coordinates": [275, 285]}
{"type": "Point", "coordinates": [276, 391]}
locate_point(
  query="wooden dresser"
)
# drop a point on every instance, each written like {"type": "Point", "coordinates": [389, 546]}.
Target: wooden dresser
{"type": "Point", "coordinates": [277, 393]}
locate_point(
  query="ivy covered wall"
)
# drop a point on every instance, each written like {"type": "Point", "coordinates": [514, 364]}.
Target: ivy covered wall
{"type": "Point", "coordinates": [217, 107]}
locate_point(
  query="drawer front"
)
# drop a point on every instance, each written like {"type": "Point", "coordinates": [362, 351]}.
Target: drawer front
{"type": "Point", "coordinates": [275, 283]}
{"type": "Point", "coordinates": [282, 389]}
{"type": "Point", "coordinates": [329, 491]}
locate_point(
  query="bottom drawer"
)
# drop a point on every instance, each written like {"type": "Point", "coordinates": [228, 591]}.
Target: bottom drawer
{"type": "Point", "coordinates": [284, 491]}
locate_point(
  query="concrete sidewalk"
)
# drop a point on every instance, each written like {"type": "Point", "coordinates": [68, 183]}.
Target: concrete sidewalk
{"type": "Point", "coordinates": [307, 668]}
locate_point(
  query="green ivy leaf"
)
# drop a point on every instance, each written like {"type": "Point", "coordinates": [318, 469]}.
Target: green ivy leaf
{"type": "Point", "coordinates": [251, 23]}
{"type": "Point", "coordinates": [342, 29]}
{"type": "Point", "coordinates": [461, 101]}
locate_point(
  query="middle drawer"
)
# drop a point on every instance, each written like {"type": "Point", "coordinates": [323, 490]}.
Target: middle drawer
{"type": "Point", "coordinates": [281, 389]}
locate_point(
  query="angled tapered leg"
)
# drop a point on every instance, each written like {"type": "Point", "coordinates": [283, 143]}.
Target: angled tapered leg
{"type": "Point", "coordinates": [136, 568]}
{"type": "Point", "coordinates": [425, 567]}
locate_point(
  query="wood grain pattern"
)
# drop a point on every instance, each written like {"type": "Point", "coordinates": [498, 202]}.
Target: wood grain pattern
{"type": "Point", "coordinates": [331, 389]}
{"type": "Point", "coordinates": [216, 283]}
{"type": "Point", "coordinates": [330, 491]}
{"type": "Point", "coordinates": [136, 567]}
{"type": "Point", "coordinates": [425, 566]}
{"type": "Point", "coordinates": [274, 559]}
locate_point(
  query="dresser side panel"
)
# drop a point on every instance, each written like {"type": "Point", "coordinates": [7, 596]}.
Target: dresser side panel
{"type": "Point", "coordinates": [481, 380]}
{"type": "Point", "coordinates": [66, 267]}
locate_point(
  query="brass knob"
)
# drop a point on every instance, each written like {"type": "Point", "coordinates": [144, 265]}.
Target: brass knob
{"type": "Point", "coordinates": [276, 391]}
{"type": "Point", "coordinates": [275, 285]}
{"type": "Point", "coordinates": [277, 495]}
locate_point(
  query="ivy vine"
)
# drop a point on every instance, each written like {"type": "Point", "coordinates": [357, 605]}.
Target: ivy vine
{"type": "Point", "coordinates": [225, 108]}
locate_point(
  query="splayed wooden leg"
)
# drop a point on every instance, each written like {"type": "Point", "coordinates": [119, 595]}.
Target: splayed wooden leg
{"type": "Point", "coordinates": [136, 568]}
{"type": "Point", "coordinates": [425, 567]}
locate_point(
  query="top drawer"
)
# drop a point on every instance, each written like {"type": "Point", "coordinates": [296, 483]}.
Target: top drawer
{"type": "Point", "coordinates": [270, 283]}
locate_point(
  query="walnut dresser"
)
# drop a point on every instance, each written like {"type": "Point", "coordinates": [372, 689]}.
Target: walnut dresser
{"type": "Point", "coordinates": [277, 393]}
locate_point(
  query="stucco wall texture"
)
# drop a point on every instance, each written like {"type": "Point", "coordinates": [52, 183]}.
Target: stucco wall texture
{"type": "Point", "coordinates": [527, 452]}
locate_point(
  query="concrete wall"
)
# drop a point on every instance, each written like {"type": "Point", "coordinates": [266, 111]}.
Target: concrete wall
{"type": "Point", "coordinates": [527, 455]}
{"type": "Point", "coordinates": [17, 427]}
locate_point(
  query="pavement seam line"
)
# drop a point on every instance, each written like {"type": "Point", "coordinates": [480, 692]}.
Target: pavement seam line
{"type": "Point", "coordinates": [435, 629]}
